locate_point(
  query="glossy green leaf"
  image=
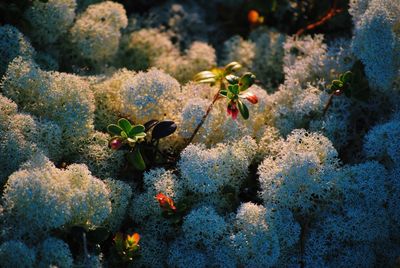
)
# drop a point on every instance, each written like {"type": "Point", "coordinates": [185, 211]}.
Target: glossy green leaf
{"type": "Point", "coordinates": [246, 81]}
{"type": "Point", "coordinates": [124, 135]}
{"type": "Point", "coordinates": [347, 77]}
{"type": "Point", "coordinates": [337, 83]}
{"type": "Point", "coordinates": [234, 89]}
{"type": "Point", "coordinates": [224, 93]}
{"type": "Point", "coordinates": [136, 130]}
{"type": "Point", "coordinates": [244, 111]}
{"type": "Point", "coordinates": [125, 125]}
{"type": "Point", "coordinates": [114, 130]}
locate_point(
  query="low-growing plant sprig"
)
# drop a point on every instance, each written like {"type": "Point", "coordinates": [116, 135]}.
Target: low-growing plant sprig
{"type": "Point", "coordinates": [170, 211]}
{"type": "Point", "coordinates": [230, 87]}
{"type": "Point", "coordinates": [134, 139]}
{"type": "Point", "coordinates": [353, 84]}
{"type": "Point", "coordinates": [338, 87]}
{"type": "Point", "coordinates": [126, 247]}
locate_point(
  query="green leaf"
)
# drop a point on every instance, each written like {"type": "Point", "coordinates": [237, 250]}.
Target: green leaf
{"type": "Point", "coordinates": [136, 130]}
{"type": "Point", "coordinates": [230, 95]}
{"type": "Point", "coordinates": [246, 81]}
{"type": "Point", "coordinates": [232, 79]}
{"type": "Point", "coordinates": [224, 93]}
{"type": "Point", "coordinates": [347, 77]}
{"type": "Point", "coordinates": [125, 125]}
{"type": "Point", "coordinates": [337, 83]}
{"type": "Point", "coordinates": [124, 135]}
{"type": "Point", "coordinates": [114, 130]}
{"type": "Point", "coordinates": [232, 67]}
{"type": "Point", "coordinates": [136, 159]}
{"type": "Point", "coordinates": [244, 111]}
{"type": "Point", "coordinates": [234, 89]}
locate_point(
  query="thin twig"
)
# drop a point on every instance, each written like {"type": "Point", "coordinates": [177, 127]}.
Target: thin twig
{"type": "Point", "coordinates": [85, 250]}
{"type": "Point", "coordinates": [328, 104]}
{"type": "Point", "coordinates": [203, 119]}
{"type": "Point", "coordinates": [329, 14]}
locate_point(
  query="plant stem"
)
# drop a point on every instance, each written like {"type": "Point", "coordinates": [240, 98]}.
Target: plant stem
{"type": "Point", "coordinates": [329, 14]}
{"type": "Point", "coordinates": [328, 104]}
{"type": "Point", "coordinates": [203, 119]}
{"type": "Point", "coordinates": [85, 250]}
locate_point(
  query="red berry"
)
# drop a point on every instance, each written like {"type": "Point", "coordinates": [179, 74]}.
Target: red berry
{"type": "Point", "coordinates": [251, 97]}
{"type": "Point", "coordinates": [115, 144]}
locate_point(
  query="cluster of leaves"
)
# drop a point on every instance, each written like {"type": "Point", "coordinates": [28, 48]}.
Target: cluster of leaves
{"type": "Point", "coordinates": [126, 246]}
{"type": "Point", "coordinates": [342, 85]}
{"type": "Point", "coordinates": [231, 87]}
{"type": "Point", "coordinates": [169, 210]}
{"type": "Point", "coordinates": [235, 92]}
{"type": "Point", "coordinates": [134, 139]}
{"type": "Point", "coordinates": [353, 84]}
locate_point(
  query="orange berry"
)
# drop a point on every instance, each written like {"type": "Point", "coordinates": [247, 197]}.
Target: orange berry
{"type": "Point", "coordinates": [253, 16]}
